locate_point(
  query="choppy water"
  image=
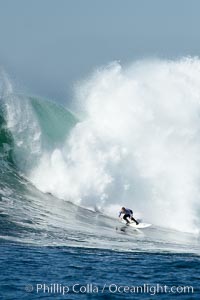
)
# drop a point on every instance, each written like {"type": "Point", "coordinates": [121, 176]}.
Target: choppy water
{"type": "Point", "coordinates": [57, 272]}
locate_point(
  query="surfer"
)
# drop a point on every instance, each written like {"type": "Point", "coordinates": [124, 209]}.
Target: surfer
{"type": "Point", "coordinates": [128, 213]}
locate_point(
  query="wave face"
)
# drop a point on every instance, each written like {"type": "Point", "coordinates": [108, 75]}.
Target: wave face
{"type": "Point", "coordinates": [137, 144]}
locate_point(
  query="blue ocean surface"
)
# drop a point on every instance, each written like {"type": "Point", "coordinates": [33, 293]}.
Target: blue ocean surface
{"type": "Point", "coordinates": [29, 272]}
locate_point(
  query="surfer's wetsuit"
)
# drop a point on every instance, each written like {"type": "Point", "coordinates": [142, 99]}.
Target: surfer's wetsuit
{"type": "Point", "coordinates": [128, 213]}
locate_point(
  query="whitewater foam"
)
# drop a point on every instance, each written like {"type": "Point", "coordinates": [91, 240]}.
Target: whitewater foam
{"type": "Point", "coordinates": [138, 144]}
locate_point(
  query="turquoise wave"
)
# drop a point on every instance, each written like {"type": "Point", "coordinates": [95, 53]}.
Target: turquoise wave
{"type": "Point", "coordinates": [28, 113]}
{"type": "Point", "coordinates": [55, 121]}
{"type": "Point", "coordinates": [6, 140]}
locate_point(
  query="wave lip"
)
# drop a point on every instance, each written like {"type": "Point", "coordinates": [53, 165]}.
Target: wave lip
{"type": "Point", "coordinates": [30, 126]}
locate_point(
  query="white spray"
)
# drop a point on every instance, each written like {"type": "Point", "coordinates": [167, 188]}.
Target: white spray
{"type": "Point", "coordinates": [137, 146]}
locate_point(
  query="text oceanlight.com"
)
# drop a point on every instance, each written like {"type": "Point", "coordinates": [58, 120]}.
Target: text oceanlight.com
{"type": "Point", "coordinates": [112, 288]}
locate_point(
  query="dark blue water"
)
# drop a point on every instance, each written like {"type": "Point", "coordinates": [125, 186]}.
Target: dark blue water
{"type": "Point", "coordinates": [82, 273]}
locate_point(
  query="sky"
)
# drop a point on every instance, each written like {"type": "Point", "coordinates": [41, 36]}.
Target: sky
{"type": "Point", "coordinates": [46, 46]}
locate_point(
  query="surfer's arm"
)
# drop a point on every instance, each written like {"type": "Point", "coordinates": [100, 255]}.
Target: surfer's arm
{"type": "Point", "coordinates": [120, 214]}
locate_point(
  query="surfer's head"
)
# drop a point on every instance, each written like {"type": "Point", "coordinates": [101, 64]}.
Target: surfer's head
{"type": "Point", "coordinates": [123, 209]}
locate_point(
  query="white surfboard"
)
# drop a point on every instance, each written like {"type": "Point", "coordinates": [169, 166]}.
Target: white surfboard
{"type": "Point", "coordinates": [139, 226]}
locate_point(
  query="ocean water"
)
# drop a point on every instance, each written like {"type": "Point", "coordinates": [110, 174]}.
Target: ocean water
{"type": "Point", "coordinates": [131, 138]}
{"type": "Point", "coordinates": [57, 272]}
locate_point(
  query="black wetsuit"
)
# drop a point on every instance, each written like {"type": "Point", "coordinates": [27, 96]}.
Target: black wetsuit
{"type": "Point", "coordinates": [128, 213]}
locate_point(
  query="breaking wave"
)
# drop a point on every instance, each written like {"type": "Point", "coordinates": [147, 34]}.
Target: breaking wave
{"type": "Point", "coordinates": [136, 142]}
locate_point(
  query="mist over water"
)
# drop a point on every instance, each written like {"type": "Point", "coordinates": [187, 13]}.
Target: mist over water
{"type": "Point", "coordinates": [137, 144]}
